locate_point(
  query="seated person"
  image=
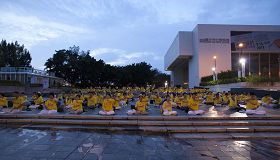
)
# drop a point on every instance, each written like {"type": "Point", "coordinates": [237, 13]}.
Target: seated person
{"type": "Point", "coordinates": [185, 102]}
{"type": "Point", "coordinates": [18, 104]}
{"type": "Point", "coordinates": [116, 102]}
{"type": "Point", "coordinates": [122, 99]}
{"type": "Point", "coordinates": [217, 100]}
{"type": "Point", "coordinates": [209, 99]}
{"type": "Point", "coordinates": [225, 100]}
{"type": "Point", "coordinates": [3, 101]}
{"type": "Point", "coordinates": [26, 103]}
{"type": "Point", "coordinates": [107, 106]}
{"type": "Point", "coordinates": [194, 105]}
{"type": "Point", "coordinates": [92, 100]}
{"type": "Point", "coordinates": [233, 105]}
{"type": "Point", "coordinates": [252, 105]}
{"type": "Point", "coordinates": [167, 107]}
{"type": "Point", "coordinates": [268, 101]}
{"type": "Point", "coordinates": [140, 107]}
{"type": "Point", "coordinates": [76, 106]}
{"type": "Point", "coordinates": [50, 106]}
{"type": "Point", "coordinates": [37, 100]}
{"type": "Point", "coordinates": [158, 100]}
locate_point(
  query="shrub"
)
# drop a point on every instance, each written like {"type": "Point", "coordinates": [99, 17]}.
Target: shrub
{"type": "Point", "coordinates": [10, 83]}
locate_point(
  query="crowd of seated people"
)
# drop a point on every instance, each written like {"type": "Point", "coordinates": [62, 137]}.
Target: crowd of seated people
{"type": "Point", "coordinates": [138, 99]}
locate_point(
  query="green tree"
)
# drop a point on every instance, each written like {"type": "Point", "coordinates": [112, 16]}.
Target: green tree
{"type": "Point", "coordinates": [14, 54]}
{"type": "Point", "coordinates": [83, 70]}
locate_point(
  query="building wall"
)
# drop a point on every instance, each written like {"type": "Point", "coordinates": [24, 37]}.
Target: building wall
{"type": "Point", "coordinates": [193, 62]}
{"type": "Point", "coordinates": [200, 54]}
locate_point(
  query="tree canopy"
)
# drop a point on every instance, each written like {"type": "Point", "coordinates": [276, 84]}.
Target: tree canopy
{"type": "Point", "coordinates": [81, 69]}
{"type": "Point", "coordinates": [14, 54]}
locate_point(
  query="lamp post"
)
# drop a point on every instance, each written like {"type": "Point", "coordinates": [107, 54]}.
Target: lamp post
{"type": "Point", "coordinates": [214, 73]}
{"type": "Point", "coordinates": [215, 67]}
{"type": "Point", "coordinates": [242, 61]}
{"type": "Point", "coordinates": [240, 46]}
{"type": "Point", "coordinates": [165, 84]}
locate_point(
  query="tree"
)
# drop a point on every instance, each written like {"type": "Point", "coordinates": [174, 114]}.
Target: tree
{"type": "Point", "coordinates": [81, 69]}
{"type": "Point", "coordinates": [14, 54]}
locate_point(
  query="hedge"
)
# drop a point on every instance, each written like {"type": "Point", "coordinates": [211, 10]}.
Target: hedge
{"type": "Point", "coordinates": [10, 83]}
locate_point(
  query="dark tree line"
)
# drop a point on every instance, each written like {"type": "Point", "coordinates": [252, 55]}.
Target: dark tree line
{"type": "Point", "coordinates": [14, 54]}
{"type": "Point", "coordinates": [83, 70]}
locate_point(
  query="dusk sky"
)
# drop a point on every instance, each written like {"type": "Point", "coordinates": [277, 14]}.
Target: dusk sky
{"type": "Point", "coordinates": [120, 31]}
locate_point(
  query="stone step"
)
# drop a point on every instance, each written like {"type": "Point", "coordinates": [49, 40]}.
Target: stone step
{"type": "Point", "coordinates": [162, 130]}
{"type": "Point", "coordinates": [144, 122]}
{"type": "Point", "coordinates": [144, 117]}
{"type": "Point", "coordinates": [238, 136]}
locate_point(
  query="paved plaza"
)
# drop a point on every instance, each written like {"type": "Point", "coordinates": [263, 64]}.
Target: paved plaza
{"type": "Point", "coordinates": [17, 144]}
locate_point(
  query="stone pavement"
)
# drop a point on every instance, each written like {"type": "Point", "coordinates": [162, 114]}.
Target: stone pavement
{"type": "Point", "coordinates": [24, 144]}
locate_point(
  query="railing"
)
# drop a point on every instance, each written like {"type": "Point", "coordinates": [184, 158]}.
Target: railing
{"type": "Point", "coordinates": [25, 70]}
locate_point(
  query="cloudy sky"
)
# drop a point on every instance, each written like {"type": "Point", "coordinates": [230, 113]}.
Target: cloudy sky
{"type": "Point", "coordinates": [120, 31]}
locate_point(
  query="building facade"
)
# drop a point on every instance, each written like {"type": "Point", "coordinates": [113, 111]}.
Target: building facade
{"type": "Point", "coordinates": [214, 48]}
{"type": "Point", "coordinates": [29, 76]}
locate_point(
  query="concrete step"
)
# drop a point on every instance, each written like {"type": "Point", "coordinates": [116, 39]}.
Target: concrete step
{"type": "Point", "coordinates": [186, 132]}
{"type": "Point", "coordinates": [238, 136]}
{"type": "Point", "coordinates": [144, 117]}
{"type": "Point", "coordinates": [144, 122]}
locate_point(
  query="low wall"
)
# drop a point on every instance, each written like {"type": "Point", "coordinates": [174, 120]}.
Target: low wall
{"type": "Point", "coordinates": [27, 90]}
{"type": "Point", "coordinates": [227, 87]}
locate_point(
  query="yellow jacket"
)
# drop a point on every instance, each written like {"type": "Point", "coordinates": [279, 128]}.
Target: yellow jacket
{"type": "Point", "coordinates": [252, 104]}
{"type": "Point", "coordinates": [167, 106]}
{"type": "Point", "coordinates": [141, 106]}
{"type": "Point", "coordinates": [193, 104]}
{"type": "Point", "coordinates": [107, 104]}
{"type": "Point", "coordinates": [18, 102]}
{"type": "Point", "coordinates": [77, 105]}
{"type": "Point", "coordinates": [3, 101]}
{"type": "Point", "coordinates": [39, 100]}
{"type": "Point", "coordinates": [51, 104]}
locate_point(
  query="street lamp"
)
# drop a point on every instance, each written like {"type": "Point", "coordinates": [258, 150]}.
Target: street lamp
{"type": "Point", "coordinates": [242, 61]}
{"type": "Point", "coordinates": [215, 67]}
{"type": "Point", "coordinates": [214, 73]}
{"type": "Point", "coordinates": [215, 61]}
{"type": "Point", "coordinates": [240, 46]}
{"type": "Point", "coordinates": [165, 84]}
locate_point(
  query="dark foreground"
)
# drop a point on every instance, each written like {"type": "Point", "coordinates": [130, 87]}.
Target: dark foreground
{"type": "Point", "coordinates": [17, 144]}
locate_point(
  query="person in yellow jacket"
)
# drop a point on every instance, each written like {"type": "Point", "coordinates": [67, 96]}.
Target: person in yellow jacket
{"type": "Point", "coordinates": [268, 101]}
{"type": "Point", "coordinates": [217, 100]}
{"type": "Point", "coordinates": [37, 100]}
{"type": "Point", "coordinates": [225, 99]}
{"type": "Point", "coordinates": [3, 101]}
{"type": "Point", "coordinates": [18, 104]}
{"type": "Point", "coordinates": [252, 105]}
{"type": "Point", "coordinates": [107, 106]}
{"type": "Point", "coordinates": [158, 100]}
{"type": "Point", "coordinates": [193, 105]}
{"type": "Point", "coordinates": [76, 106]}
{"type": "Point", "coordinates": [209, 99]}
{"type": "Point", "coordinates": [167, 107]}
{"type": "Point", "coordinates": [116, 104]}
{"type": "Point", "coordinates": [233, 104]}
{"type": "Point", "coordinates": [140, 107]}
{"type": "Point", "coordinates": [50, 105]}
{"type": "Point", "coordinates": [184, 101]}
{"type": "Point", "coordinates": [92, 100]}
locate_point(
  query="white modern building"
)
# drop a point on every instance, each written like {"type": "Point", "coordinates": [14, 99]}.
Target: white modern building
{"type": "Point", "coordinates": [213, 47]}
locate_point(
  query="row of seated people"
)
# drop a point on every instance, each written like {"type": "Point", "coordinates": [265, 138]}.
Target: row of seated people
{"type": "Point", "coordinates": [189, 102]}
